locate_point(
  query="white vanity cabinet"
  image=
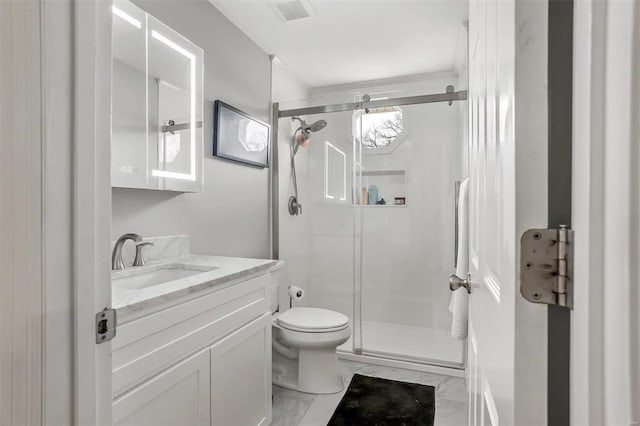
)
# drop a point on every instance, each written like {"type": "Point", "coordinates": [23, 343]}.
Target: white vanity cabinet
{"type": "Point", "coordinates": [204, 360]}
{"type": "Point", "coordinates": [241, 376]}
{"type": "Point", "coordinates": [180, 395]}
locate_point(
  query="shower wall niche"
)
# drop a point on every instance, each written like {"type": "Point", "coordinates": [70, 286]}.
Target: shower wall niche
{"type": "Point", "coordinates": [390, 185]}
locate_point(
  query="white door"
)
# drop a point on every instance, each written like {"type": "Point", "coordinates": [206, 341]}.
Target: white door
{"type": "Point", "coordinates": [605, 332]}
{"type": "Point", "coordinates": [507, 372]}
{"type": "Point", "coordinates": [55, 211]}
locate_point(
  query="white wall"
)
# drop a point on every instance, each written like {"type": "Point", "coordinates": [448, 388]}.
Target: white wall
{"type": "Point", "coordinates": [286, 85]}
{"type": "Point", "coordinates": [231, 216]}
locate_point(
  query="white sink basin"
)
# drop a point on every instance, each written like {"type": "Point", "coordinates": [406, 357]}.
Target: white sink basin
{"type": "Point", "coordinates": [158, 275]}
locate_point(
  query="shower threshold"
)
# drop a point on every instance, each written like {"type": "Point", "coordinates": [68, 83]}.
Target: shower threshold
{"type": "Point", "coordinates": [409, 344]}
{"type": "Point", "coordinates": [395, 363]}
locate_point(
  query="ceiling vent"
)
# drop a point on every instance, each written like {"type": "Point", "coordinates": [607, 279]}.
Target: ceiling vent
{"type": "Point", "coordinates": [291, 10]}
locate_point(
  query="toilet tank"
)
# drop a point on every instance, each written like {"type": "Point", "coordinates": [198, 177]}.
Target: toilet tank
{"type": "Point", "coordinates": [278, 277]}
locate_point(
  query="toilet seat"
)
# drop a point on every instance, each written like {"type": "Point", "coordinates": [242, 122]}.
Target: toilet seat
{"type": "Point", "coordinates": [313, 320]}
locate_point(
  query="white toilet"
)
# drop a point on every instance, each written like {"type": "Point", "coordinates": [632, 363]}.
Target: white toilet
{"type": "Point", "coordinates": [305, 342]}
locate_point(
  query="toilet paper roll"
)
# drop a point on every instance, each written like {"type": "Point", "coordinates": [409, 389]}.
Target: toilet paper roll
{"type": "Point", "coordinates": [296, 293]}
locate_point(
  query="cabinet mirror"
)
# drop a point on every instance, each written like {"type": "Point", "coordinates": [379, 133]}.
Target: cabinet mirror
{"type": "Point", "coordinates": [157, 103]}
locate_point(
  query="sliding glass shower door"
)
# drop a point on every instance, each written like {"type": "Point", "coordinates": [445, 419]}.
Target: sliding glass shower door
{"type": "Point", "coordinates": [318, 242]}
{"type": "Point", "coordinates": [375, 237]}
{"type": "Point", "coordinates": [409, 159]}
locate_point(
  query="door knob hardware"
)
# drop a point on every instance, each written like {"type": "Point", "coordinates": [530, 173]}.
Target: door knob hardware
{"type": "Point", "coordinates": [455, 282]}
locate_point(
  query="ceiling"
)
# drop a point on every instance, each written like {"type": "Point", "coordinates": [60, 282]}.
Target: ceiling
{"type": "Point", "coordinates": [346, 41]}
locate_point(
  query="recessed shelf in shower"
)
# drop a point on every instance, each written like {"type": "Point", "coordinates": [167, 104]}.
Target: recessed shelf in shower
{"type": "Point", "coordinates": [390, 184]}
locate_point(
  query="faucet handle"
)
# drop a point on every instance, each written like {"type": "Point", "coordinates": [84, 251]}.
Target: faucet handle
{"type": "Point", "coordinates": [139, 260]}
{"type": "Point", "coordinates": [136, 238]}
{"type": "Point", "coordinates": [116, 255]}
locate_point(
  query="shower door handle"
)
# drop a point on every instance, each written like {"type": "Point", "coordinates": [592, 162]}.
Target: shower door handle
{"type": "Point", "coordinates": [455, 282]}
{"type": "Point", "coordinates": [456, 225]}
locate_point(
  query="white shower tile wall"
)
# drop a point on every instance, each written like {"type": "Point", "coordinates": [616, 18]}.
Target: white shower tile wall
{"type": "Point", "coordinates": [288, 86]}
{"type": "Point", "coordinates": [318, 244]}
{"type": "Point", "coordinates": [291, 408]}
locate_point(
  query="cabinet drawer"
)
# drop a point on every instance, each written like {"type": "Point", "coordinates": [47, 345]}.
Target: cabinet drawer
{"type": "Point", "coordinates": [148, 345]}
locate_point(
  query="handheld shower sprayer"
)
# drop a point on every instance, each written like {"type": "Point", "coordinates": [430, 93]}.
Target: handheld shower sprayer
{"type": "Point", "coordinates": [300, 139]}
{"type": "Point", "coordinates": [305, 132]}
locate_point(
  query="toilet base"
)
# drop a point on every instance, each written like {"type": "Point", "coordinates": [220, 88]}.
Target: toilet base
{"type": "Point", "coordinates": [315, 371]}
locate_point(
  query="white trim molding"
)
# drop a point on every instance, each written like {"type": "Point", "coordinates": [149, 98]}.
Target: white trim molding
{"type": "Point", "coordinates": [21, 230]}
{"type": "Point", "coordinates": [605, 338]}
{"type": "Point", "coordinates": [92, 207]}
{"type": "Point", "coordinates": [55, 73]}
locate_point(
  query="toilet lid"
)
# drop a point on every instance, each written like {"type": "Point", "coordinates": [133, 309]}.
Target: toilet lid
{"type": "Point", "coordinates": [312, 319]}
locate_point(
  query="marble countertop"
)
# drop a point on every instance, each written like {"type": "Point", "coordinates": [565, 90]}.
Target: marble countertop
{"type": "Point", "coordinates": [127, 301]}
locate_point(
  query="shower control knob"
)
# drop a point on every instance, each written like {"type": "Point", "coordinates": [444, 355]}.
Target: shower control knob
{"type": "Point", "coordinates": [455, 282]}
{"type": "Point", "coordinates": [295, 208]}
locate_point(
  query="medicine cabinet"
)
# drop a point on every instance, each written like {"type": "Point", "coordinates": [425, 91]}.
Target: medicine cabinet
{"type": "Point", "coordinates": [157, 104]}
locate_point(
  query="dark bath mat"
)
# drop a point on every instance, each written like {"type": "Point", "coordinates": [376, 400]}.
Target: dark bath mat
{"type": "Point", "coordinates": [372, 401]}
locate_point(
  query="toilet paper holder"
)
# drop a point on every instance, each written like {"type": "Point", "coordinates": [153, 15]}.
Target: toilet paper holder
{"type": "Point", "coordinates": [294, 293]}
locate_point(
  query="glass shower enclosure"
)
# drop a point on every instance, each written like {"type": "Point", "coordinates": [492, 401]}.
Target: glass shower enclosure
{"type": "Point", "coordinates": [375, 235]}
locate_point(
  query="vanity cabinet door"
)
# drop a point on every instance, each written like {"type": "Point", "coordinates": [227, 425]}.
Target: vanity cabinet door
{"type": "Point", "coordinates": [241, 376]}
{"type": "Point", "coordinates": [178, 396]}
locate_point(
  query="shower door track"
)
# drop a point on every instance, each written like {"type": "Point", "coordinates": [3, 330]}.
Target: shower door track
{"type": "Point", "coordinates": [428, 366]}
{"type": "Point", "coordinates": [411, 360]}
{"type": "Point", "coordinates": [353, 106]}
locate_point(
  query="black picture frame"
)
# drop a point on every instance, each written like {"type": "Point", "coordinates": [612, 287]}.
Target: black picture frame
{"type": "Point", "coordinates": [227, 124]}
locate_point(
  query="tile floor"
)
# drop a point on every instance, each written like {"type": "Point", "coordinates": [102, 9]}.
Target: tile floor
{"type": "Point", "coordinates": [291, 408]}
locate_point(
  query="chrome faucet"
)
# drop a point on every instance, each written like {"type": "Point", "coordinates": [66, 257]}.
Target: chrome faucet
{"type": "Point", "coordinates": [116, 257]}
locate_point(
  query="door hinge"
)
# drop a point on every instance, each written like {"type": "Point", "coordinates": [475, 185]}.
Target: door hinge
{"type": "Point", "coordinates": [546, 266]}
{"type": "Point", "coordinates": [106, 321]}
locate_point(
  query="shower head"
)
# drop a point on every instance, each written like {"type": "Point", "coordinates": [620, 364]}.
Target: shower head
{"type": "Point", "coordinates": [303, 138]}
{"type": "Point", "coordinates": [318, 125]}
{"type": "Point", "coordinates": [314, 127]}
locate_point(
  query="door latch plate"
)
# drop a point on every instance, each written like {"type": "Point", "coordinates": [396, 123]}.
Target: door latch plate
{"type": "Point", "coordinates": [105, 325]}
